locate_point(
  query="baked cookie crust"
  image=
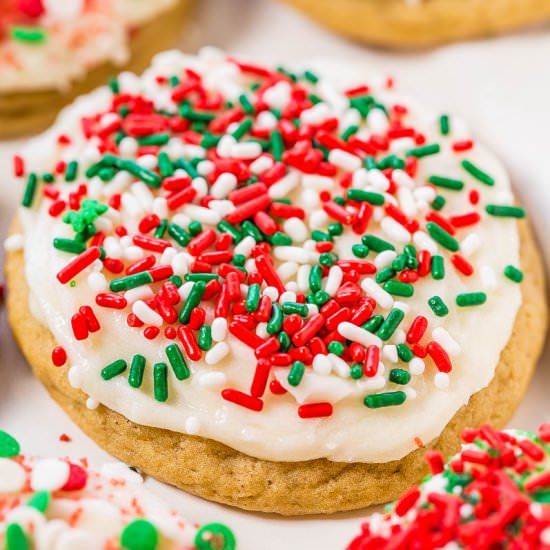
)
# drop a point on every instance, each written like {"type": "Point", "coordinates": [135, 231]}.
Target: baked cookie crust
{"type": "Point", "coordinates": [216, 472]}
{"type": "Point", "coordinates": [403, 23]}
{"type": "Point", "coordinates": [29, 112]}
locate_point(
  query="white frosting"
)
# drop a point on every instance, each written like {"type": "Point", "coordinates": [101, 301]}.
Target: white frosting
{"type": "Point", "coordinates": [353, 433]}
{"type": "Point", "coordinates": [92, 517]}
{"type": "Point", "coordinates": [79, 37]}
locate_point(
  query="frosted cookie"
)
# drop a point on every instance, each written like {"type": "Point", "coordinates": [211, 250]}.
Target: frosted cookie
{"type": "Point", "coordinates": [251, 276]}
{"type": "Point", "coordinates": [51, 51]}
{"type": "Point", "coordinates": [494, 493]}
{"type": "Point", "coordinates": [56, 503]}
{"type": "Point", "coordinates": [410, 23]}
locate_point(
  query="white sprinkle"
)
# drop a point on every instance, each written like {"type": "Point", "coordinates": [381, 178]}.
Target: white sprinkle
{"type": "Point", "coordinates": [303, 277]}
{"type": "Point", "coordinates": [382, 298]}
{"type": "Point", "coordinates": [91, 404]}
{"type": "Point", "coordinates": [200, 186]}
{"type": "Point", "coordinates": [131, 205]}
{"type": "Point", "coordinates": [545, 536]}
{"type": "Point", "coordinates": [192, 425]}
{"type": "Point", "coordinates": [399, 336]}
{"type": "Point", "coordinates": [180, 263]}
{"type": "Point", "coordinates": [245, 246]}
{"type": "Point", "coordinates": [74, 377]}
{"type": "Point", "coordinates": [219, 329]}
{"type": "Point", "coordinates": [322, 364]}
{"type": "Point", "coordinates": [293, 254]}
{"type": "Point", "coordinates": [147, 161]}
{"type": "Point", "coordinates": [143, 194]}
{"type": "Point", "coordinates": [14, 242]}
{"type": "Point", "coordinates": [416, 366]}
{"type": "Point", "coordinates": [201, 214]}
{"type": "Point", "coordinates": [360, 178]}
{"type": "Point", "coordinates": [224, 184]}
{"type": "Point", "coordinates": [410, 392]}
{"type": "Point", "coordinates": [384, 259]}
{"type": "Point", "coordinates": [310, 199]}
{"type": "Point", "coordinates": [488, 278]}
{"type": "Point", "coordinates": [318, 219]}
{"type": "Point", "coordinates": [292, 286]}
{"type": "Point", "coordinates": [128, 147]}
{"type": "Point", "coordinates": [401, 145]}
{"type": "Point", "coordinates": [404, 307]}
{"type": "Point", "coordinates": [317, 183]}
{"type": "Point", "coordinates": [377, 121]}
{"type": "Point", "coordinates": [344, 160]}
{"type": "Point", "coordinates": [205, 167]}
{"type": "Point", "coordinates": [423, 241]}
{"type": "Point", "coordinates": [441, 380]}
{"type": "Point", "coordinates": [144, 313]}
{"type": "Point", "coordinates": [402, 179]}
{"type": "Point", "coordinates": [449, 344]}
{"type": "Point", "coordinates": [407, 202]}
{"type": "Point", "coordinates": [316, 114]}
{"type": "Point", "coordinates": [185, 289]}
{"type": "Point", "coordinates": [266, 120]}
{"type": "Point", "coordinates": [470, 245]}
{"type": "Point", "coordinates": [339, 366]}
{"type": "Point", "coordinates": [272, 292]}
{"type": "Point", "coordinates": [395, 231]}
{"type": "Point", "coordinates": [287, 270]}
{"type": "Point", "coordinates": [49, 474]}
{"type": "Point", "coordinates": [112, 247]}
{"type": "Point", "coordinates": [287, 296]}
{"type": "Point", "coordinates": [389, 352]}
{"type": "Point", "coordinates": [278, 95]}
{"type": "Point", "coordinates": [12, 476]}
{"type": "Point", "coordinates": [425, 193]}
{"type": "Point", "coordinates": [216, 353]}
{"type": "Point", "coordinates": [168, 255]}
{"type": "Point", "coordinates": [261, 331]}
{"type": "Point", "coordinates": [296, 229]}
{"type": "Point", "coordinates": [378, 180]}
{"type": "Point", "coordinates": [334, 279]}
{"type": "Point", "coordinates": [261, 164]}
{"type": "Point", "coordinates": [247, 150]}
{"type": "Point", "coordinates": [97, 282]}
{"type": "Point", "coordinates": [284, 186]}
{"type": "Point", "coordinates": [225, 145]}
{"type": "Point", "coordinates": [133, 253]}
{"type": "Point", "coordinates": [357, 334]}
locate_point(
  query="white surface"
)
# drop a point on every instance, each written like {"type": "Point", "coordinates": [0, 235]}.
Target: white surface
{"type": "Point", "coordinates": [500, 86]}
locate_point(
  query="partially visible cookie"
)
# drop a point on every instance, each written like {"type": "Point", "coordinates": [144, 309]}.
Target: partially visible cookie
{"type": "Point", "coordinates": [495, 493]}
{"type": "Point", "coordinates": [417, 23]}
{"type": "Point", "coordinates": [52, 52]}
{"type": "Point", "coordinates": [56, 503]}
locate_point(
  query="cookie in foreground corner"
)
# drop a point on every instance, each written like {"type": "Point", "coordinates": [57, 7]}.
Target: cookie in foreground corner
{"type": "Point", "coordinates": [270, 289]}
{"type": "Point", "coordinates": [421, 23]}
{"type": "Point", "coordinates": [52, 51]}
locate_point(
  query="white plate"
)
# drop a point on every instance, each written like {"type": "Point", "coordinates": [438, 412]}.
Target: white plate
{"type": "Point", "coordinates": [502, 87]}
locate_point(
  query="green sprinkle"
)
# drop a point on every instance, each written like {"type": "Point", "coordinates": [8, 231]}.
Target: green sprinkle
{"type": "Point", "coordinates": [424, 151]}
{"type": "Point", "coordinates": [444, 126]}
{"type": "Point", "coordinates": [113, 369]}
{"type": "Point", "coordinates": [215, 536]}
{"type": "Point", "coordinates": [373, 324]}
{"type": "Point", "coordinates": [194, 228]}
{"type": "Point", "coordinates": [335, 229]}
{"type": "Point", "coordinates": [248, 108]}
{"type": "Point", "coordinates": [161, 229]}
{"type": "Point", "coordinates": [388, 399]}
{"type": "Point", "coordinates": [177, 362]}
{"type": "Point", "coordinates": [438, 267]}
{"type": "Point", "coordinates": [404, 353]}
{"type": "Point", "coordinates": [390, 324]}
{"type": "Point", "coordinates": [438, 234]}
{"type": "Point", "coordinates": [296, 373]}
{"type": "Point", "coordinates": [277, 145]}
{"type": "Point", "coordinates": [276, 321]}
{"type": "Point", "coordinates": [336, 347]}
{"type": "Point", "coordinates": [252, 230]}
{"type": "Point", "coordinates": [359, 195]}
{"type": "Point", "coordinates": [284, 341]}
{"type": "Point", "coordinates": [471, 299]}
{"type": "Point", "coordinates": [69, 245]}
{"type": "Point", "coordinates": [327, 259]}
{"type": "Point", "coordinates": [349, 131]}
{"type": "Point", "coordinates": [32, 35]}
{"type": "Point", "coordinates": [311, 77]}
{"type": "Point", "coordinates": [30, 191]}
{"type": "Point", "coordinates": [193, 300]}
{"type": "Point", "coordinates": [206, 277]}
{"type": "Point", "coordinates": [176, 279]}
{"type": "Point", "coordinates": [137, 368]}
{"type": "Point", "coordinates": [9, 446]}
{"type": "Point", "coordinates": [226, 227]}
{"type": "Point", "coordinates": [253, 298]}
{"type": "Point", "coordinates": [72, 171]}
{"type": "Point", "coordinates": [513, 273]}
{"type": "Point", "coordinates": [242, 129]}
{"type": "Point", "coordinates": [376, 243]}
{"type": "Point", "coordinates": [40, 501]}
{"type": "Point", "coordinates": [148, 177]}
{"type": "Point", "coordinates": [399, 263]}
{"type": "Point", "coordinates": [320, 298]}
{"type": "Point", "coordinates": [360, 250]}
{"type": "Point", "coordinates": [384, 275]}
{"type": "Point", "coordinates": [160, 381]}
{"type": "Point", "coordinates": [447, 183]}
{"type": "Point", "coordinates": [139, 535]}
{"type": "Point", "coordinates": [356, 371]}
{"type": "Point", "coordinates": [179, 234]}
{"type": "Point", "coordinates": [438, 203]}
{"type": "Point", "coordinates": [294, 307]}
{"type": "Point", "coordinates": [16, 538]}
{"type": "Point", "coordinates": [205, 338]}
{"type": "Point", "coordinates": [397, 288]}
{"type": "Point", "coordinates": [131, 281]}
{"type": "Point", "coordinates": [438, 306]}
{"type": "Point", "coordinates": [280, 239]}
{"type": "Point", "coordinates": [320, 236]}
{"type": "Point", "coordinates": [502, 211]}
{"type": "Point", "coordinates": [477, 173]}
{"type": "Point", "coordinates": [399, 376]}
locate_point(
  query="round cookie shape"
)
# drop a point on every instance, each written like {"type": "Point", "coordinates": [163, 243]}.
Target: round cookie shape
{"type": "Point", "coordinates": [422, 23]}
{"type": "Point", "coordinates": [80, 44]}
{"type": "Point", "coordinates": [57, 503]}
{"type": "Point", "coordinates": [493, 493]}
{"type": "Point", "coordinates": [262, 260]}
